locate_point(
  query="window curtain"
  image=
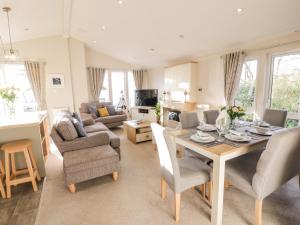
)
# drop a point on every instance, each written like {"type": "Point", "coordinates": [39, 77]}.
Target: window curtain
{"type": "Point", "coordinates": [138, 76]}
{"type": "Point", "coordinates": [233, 63]}
{"type": "Point", "coordinates": [36, 75]}
{"type": "Point", "coordinates": [96, 78]}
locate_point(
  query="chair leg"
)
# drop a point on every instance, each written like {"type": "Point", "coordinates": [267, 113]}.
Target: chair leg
{"type": "Point", "coordinates": [177, 206]}
{"type": "Point", "coordinates": [2, 190]}
{"type": "Point", "coordinates": [203, 190]}
{"type": "Point", "coordinates": [30, 170]}
{"type": "Point", "coordinates": [34, 163]}
{"type": "Point", "coordinates": [72, 188]}
{"type": "Point", "coordinates": [210, 191]}
{"type": "Point", "coordinates": [163, 188]}
{"type": "Point", "coordinates": [7, 175]}
{"type": "Point", "coordinates": [258, 211]}
{"type": "Point", "coordinates": [115, 176]}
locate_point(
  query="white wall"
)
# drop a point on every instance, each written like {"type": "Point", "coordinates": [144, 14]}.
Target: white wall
{"type": "Point", "coordinates": [156, 79]}
{"type": "Point", "coordinates": [70, 58]}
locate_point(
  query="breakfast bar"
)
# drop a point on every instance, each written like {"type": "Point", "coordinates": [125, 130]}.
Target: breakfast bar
{"type": "Point", "coordinates": [32, 126]}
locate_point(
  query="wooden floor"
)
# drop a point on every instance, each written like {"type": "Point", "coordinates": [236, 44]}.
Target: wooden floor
{"type": "Point", "coordinates": [22, 208]}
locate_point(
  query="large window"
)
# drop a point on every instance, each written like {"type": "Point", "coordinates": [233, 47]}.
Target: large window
{"type": "Point", "coordinates": [104, 94]}
{"type": "Point", "coordinates": [285, 88]}
{"type": "Point", "coordinates": [245, 96]}
{"type": "Point", "coordinates": [118, 86]}
{"type": "Point", "coordinates": [131, 90]}
{"type": "Point", "coordinates": [14, 75]}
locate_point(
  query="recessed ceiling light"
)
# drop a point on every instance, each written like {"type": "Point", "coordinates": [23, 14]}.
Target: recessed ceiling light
{"type": "Point", "coordinates": [120, 2]}
{"type": "Point", "coordinates": [94, 42]}
{"type": "Point", "coordinates": [26, 29]}
{"type": "Point", "coordinates": [103, 27]}
{"type": "Point", "coordinates": [151, 49]}
{"type": "Point", "coordinates": [239, 10]}
{"type": "Point", "coordinates": [181, 36]}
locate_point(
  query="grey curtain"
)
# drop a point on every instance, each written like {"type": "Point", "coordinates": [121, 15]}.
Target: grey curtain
{"type": "Point", "coordinates": [36, 75]}
{"type": "Point", "coordinates": [96, 78]}
{"type": "Point", "coordinates": [138, 76]}
{"type": "Point", "coordinates": [233, 63]}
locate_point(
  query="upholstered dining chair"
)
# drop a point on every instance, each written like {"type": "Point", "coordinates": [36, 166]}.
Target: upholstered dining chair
{"type": "Point", "coordinates": [178, 174]}
{"type": "Point", "coordinates": [189, 120]}
{"type": "Point", "coordinates": [277, 164]}
{"type": "Point", "coordinates": [210, 116]}
{"type": "Point", "coordinates": [275, 117]}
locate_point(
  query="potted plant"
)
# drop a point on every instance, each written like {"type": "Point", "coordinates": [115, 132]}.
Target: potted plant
{"type": "Point", "coordinates": [8, 94]}
{"type": "Point", "coordinates": [158, 112]}
{"type": "Point", "coordinates": [234, 112]}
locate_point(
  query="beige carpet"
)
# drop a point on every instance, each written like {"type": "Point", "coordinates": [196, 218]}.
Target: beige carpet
{"type": "Point", "coordinates": [134, 199]}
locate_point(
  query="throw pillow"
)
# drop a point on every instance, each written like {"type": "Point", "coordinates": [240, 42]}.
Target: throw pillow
{"type": "Point", "coordinates": [103, 112]}
{"type": "Point", "coordinates": [66, 129]}
{"type": "Point", "coordinates": [93, 111]}
{"type": "Point", "coordinates": [79, 128]}
{"type": "Point", "coordinates": [77, 116]}
{"type": "Point", "coordinates": [111, 110]}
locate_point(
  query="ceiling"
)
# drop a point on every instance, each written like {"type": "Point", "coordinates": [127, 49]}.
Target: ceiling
{"type": "Point", "coordinates": [136, 26]}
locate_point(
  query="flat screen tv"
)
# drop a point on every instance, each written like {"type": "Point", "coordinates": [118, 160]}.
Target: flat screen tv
{"type": "Point", "coordinates": [146, 97]}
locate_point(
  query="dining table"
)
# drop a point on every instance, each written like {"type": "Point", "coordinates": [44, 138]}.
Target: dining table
{"type": "Point", "coordinates": [220, 151]}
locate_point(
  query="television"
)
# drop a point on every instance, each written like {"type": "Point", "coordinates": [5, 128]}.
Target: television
{"type": "Point", "coordinates": [146, 97]}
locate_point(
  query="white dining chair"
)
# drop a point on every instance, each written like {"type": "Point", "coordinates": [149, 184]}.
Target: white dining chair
{"type": "Point", "coordinates": [275, 117]}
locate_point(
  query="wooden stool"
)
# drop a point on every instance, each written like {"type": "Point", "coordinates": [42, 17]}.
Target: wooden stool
{"type": "Point", "coordinates": [10, 149]}
{"type": "Point", "coordinates": [2, 190]}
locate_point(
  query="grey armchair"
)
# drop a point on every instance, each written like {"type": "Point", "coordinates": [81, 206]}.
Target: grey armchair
{"type": "Point", "coordinates": [179, 174]}
{"type": "Point", "coordinates": [275, 117]}
{"type": "Point", "coordinates": [259, 177]}
{"type": "Point", "coordinates": [210, 116]}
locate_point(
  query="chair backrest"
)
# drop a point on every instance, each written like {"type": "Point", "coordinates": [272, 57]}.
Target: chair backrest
{"type": "Point", "coordinates": [275, 117]}
{"type": "Point", "coordinates": [188, 120]}
{"type": "Point", "coordinates": [279, 163]}
{"type": "Point", "coordinates": [210, 116]}
{"type": "Point", "coordinates": [167, 154]}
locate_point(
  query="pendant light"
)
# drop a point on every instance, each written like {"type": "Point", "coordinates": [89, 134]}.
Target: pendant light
{"type": "Point", "coordinates": [10, 53]}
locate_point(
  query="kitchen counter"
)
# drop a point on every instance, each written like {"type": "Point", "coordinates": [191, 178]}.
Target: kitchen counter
{"type": "Point", "coordinates": [33, 126]}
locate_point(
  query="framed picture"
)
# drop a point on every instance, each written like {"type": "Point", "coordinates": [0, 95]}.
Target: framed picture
{"type": "Point", "coordinates": [57, 80]}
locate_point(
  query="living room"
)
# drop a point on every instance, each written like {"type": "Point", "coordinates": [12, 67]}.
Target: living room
{"type": "Point", "coordinates": [149, 112]}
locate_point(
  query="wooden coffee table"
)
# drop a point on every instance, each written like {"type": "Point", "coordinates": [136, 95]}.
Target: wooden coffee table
{"type": "Point", "coordinates": [138, 132]}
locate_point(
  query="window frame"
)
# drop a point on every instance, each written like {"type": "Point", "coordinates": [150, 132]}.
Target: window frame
{"type": "Point", "coordinates": [269, 83]}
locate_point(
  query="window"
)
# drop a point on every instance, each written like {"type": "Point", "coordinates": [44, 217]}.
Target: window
{"type": "Point", "coordinates": [117, 85]}
{"type": "Point", "coordinates": [14, 75]}
{"type": "Point", "coordinates": [131, 89]}
{"type": "Point", "coordinates": [245, 96]}
{"type": "Point", "coordinates": [104, 94]}
{"type": "Point", "coordinates": [285, 88]}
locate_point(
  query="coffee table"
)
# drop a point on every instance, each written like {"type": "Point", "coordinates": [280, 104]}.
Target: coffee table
{"type": "Point", "coordinates": [138, 132]}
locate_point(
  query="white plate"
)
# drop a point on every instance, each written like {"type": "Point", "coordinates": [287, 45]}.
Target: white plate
{"type": "Point", "coordinates": [254, 131]}
{"type": "Point", "coordinates": [242, 139]}
{"type": "Point", "coordinates": [207, 128]}
{"type": "Point", "coordinates": [197, 139]}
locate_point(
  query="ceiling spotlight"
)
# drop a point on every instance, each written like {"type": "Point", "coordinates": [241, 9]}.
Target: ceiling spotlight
{"type": "Point", "coordinates": [120, 2]}
{"type": "Point", "coordinates": [181, 36]}
{"type": "Point", "coordinates": [103, 27]}
{"type": "Point", "coordinates": [94, 42]}
{"type": "Point", "coordinates": [151, 49]}
{"type": "Point", "coordinates": [26, 29]}
{"type": "Point", "coordinates": [239, 10]}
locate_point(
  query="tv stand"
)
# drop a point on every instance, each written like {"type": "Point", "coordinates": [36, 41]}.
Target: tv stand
{"type": "Point", "coordinates": [143, 113]}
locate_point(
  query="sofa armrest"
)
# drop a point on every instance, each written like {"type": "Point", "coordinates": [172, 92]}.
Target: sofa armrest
{"type": "Point", "coordinates": [92, 140]}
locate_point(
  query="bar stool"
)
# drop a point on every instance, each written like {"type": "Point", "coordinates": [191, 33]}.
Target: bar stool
{"type": "Point", "coordinates": [10, 149]}
{"type": "Point", "coordinates": [2, 173]}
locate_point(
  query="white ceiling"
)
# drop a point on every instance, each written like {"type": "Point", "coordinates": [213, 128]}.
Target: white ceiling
{"type": "Point", "coordinates": [138, 25]}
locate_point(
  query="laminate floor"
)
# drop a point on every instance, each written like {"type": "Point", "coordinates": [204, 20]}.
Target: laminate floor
{"type": "Point", "coordinates": [22, 207]}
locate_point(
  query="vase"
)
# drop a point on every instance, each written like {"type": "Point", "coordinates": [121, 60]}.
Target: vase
{"type": "Point", "coordinates": [158, 119]}
{"type": "Point", "coordinates": [234, 123]}
{"type": "Point", "coordinates": [223, 122]}
{"type": "Point", "coordinates": [10, 108]}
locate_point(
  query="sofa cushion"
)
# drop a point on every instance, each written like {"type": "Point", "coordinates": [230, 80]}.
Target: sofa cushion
{"type": "Point", "coordinates": [112, 119]}
{"type": "Point", "coordinates": [111, 109]}
{"type": "Point", "coordinates": [114, 139]}
{"type": "Point", "coordinates": [103, 112]}
{"type": "Point", "coordinates": [93, 111]}
{"type": "Point", "coordinates": [95, 128]}
{"type": "Point", "coordinates": [89, 158]}
{"type": "Point", "coordinates": [66, 129]}
{"type": "Point", "coordinates": [79, 127]}
{"type": "Point", "coordinates": [77, 116]}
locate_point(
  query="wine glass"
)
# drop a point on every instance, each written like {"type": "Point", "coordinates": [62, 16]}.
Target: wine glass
{"type": "Point", "coordinates": [220, 130]}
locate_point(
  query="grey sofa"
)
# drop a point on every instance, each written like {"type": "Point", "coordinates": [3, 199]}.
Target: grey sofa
{"type": "Point", "coordinates": [110, 121]}
{"type": "Point", "coordinates": [84, 158]}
